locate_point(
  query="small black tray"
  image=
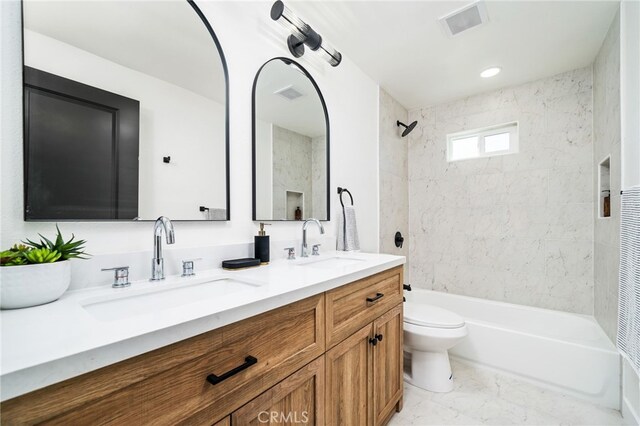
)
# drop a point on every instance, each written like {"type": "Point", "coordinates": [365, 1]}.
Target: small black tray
{"type": "Point", "coordinates": [240, 263]}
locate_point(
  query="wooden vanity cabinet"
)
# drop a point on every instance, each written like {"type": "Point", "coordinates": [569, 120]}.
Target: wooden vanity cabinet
{"type": "Point", "coordinates": [350, 381]}
{"type": "Point", "coordinates": [224, 422]}
{"type": "Point", "coordinates": [171, 385]}
{"type": "Point", "coordinates": [298, 399]}
{"type": "Point", "coordinates": [334, 358]}
{"type": "Point", "coordinates": [387, 358]}
{"type": "Point", "coordinates": [364, 371]}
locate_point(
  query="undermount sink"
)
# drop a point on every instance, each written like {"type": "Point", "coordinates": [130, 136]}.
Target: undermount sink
{"type": "Point", "coordinates": [331, 262]}
{"type": "Point", "coordinates": [166, 296]}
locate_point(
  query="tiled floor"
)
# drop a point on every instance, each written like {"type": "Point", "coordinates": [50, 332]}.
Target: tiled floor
{"type": "Point", "coordinates": [484, 397]}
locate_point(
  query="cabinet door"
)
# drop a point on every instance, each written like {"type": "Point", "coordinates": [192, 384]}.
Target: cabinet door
{"type": "Point", "coordinates": [387, 365]}
{"type": "Point", "coordinates": [298, 399]}
{"type": "Point", "coordinates": [224, 422]}
{"type": "Point", "coordinates": [349, 383]}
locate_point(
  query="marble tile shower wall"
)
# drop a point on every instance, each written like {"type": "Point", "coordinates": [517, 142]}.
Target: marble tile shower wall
{"type": "Point", "coordinates": [319, 177]}
{"type": "Point", "coordinates": [516, 228]}
{"type": "Point", "coordinates": [291, 171]}
{"type": "Point", "coordinates": [394, 197]}
{"type": "Point", "coordinates": [606, 140]}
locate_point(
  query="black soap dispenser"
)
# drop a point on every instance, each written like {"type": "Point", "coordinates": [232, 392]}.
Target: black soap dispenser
{"type": "Point", "coordinates": [262, 245]}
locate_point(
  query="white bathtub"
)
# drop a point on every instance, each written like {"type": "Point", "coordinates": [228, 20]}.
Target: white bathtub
{"type": "Point", "coordinates": [562, 351]}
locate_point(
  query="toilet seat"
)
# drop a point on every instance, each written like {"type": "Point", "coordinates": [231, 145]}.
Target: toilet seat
{"type": "Point", "coordinates": [431, 316]}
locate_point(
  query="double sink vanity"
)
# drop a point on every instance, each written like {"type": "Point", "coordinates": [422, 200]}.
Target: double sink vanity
{"type": "Point", "coordinates": [315, 340]}
{"type": "Point", "coordinates": [319, 338]}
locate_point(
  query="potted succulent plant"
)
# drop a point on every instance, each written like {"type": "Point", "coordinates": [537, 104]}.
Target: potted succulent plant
{"type": "Point", "coordinates": [35, 273]}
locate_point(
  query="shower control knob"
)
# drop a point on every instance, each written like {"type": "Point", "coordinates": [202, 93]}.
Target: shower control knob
{"type": "Point", "coordinates": [399, 239]}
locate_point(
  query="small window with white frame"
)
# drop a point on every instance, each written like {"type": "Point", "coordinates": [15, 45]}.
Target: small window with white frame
{"type": "Point", "coordinates": [487, 142]}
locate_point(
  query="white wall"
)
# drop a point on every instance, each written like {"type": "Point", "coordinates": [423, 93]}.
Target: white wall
{"type": "Point", "coordinates": [249, 38]}
{"type": "Point", "coordinates": [394, 176]}
{"type": "Point", "coordinates": [630, 148]}
{"type": "Point", "coordinates": [630, 91]}
{"type": "Point", "coordinates": [173, 122]}
{"type": "Point", "coordinates": [606, 143]}
{"type": "Point", "coordinates": [264, 169]}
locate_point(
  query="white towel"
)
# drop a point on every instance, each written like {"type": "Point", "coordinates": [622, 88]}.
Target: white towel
{"type": "Point", "coordinates": [629, 291]}
{"type": "Point", "coordinates": [347, 230]}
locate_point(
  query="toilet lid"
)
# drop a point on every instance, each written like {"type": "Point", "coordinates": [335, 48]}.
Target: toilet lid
{"type": "Point", "coordinates": [431, 316]}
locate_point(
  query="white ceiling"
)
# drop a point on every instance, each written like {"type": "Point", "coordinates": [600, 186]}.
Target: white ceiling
{"type": "Point", "coordinates": [164, 39]}
{"type": "Point", "coordinates": [402, 46]}
{"type": "Point", "coordinates": [303, 115]}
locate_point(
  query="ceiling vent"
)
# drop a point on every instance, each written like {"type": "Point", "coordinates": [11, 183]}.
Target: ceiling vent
{"type": "Point", "coordinates": [464, 19]}
{"type": "Point", "coordinates": [290, 93]}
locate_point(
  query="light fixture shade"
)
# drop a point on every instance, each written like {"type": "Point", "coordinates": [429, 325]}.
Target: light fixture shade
{"type": "Point", "coordinates": [302, 34]}
{"type": "Point", "coordinates": [283, 15]}
{"type": "Point", "coordinates": [330, 54]}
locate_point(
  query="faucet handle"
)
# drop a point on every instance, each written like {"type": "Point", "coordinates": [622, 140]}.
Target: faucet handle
{"type": "Point", "coordinates": [291, 253]}
{"type": "Point", "coordinates": [315, 250]}
{"type": "Point", "coordinates": [187, 266]}
{"type": "Point", "coordinates": [121, 276]}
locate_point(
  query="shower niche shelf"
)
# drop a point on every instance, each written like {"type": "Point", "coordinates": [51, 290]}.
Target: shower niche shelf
{"type": "Point", "coordinates": [293, 200]}
{"type": "Point", "coordinates": [604, 188]}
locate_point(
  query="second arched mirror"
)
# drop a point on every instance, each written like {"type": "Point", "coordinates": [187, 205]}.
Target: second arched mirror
{"type": "Point", "coordinates": [290, 144]}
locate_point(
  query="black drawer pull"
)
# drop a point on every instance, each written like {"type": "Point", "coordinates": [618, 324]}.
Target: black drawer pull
{"type": "Point", "coordinates": [373, 341]}
{"type": "Point", "coordinates": [248, 362]}
{"type": "Point", "coordinates": [376, 298]}
{"type": "Point", "coordinates": [379, 337]}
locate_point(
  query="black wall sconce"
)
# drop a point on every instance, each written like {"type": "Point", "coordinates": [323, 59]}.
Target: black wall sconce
{"type": "Point", "coordinates": [303, 34]}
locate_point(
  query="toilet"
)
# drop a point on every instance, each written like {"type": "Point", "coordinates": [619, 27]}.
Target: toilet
{"type": "Point", "coordinates": [429, 332]}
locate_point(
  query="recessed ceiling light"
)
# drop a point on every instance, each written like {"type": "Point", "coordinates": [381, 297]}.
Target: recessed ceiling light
{"type": "Point", "coordinates": [490, 72]}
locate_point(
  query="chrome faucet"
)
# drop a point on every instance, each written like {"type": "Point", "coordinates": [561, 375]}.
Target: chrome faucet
{"type": "Point", "coordinates": [157, 263]}
{"type": "Point", "coordinates": [304, 234]}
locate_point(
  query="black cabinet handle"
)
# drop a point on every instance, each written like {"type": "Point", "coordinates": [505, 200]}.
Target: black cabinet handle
{"type": "Point", "coordinates": [248, 362]}
{"type": "Point", "coordinates": [406, 287]}
{"type": "Point", "coordinates": [379, 337]}
{"type": "Point", "coordinates": [373, 341]}
{"type": "Point", "coordinates": [377, 297]}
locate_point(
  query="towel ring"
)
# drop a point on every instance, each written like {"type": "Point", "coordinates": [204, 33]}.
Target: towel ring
{"type": "Point", "coordinates": [341, 191]}
{"type": "Point", "coordinates": [344, 214]}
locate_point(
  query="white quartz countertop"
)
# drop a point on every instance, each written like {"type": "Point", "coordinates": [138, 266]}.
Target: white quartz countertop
{"type": "Point", "coordinates": [47, 344]}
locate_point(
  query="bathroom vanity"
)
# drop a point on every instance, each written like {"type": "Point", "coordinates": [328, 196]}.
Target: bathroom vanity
{"type": "Point", "coordinates": [318, 341]}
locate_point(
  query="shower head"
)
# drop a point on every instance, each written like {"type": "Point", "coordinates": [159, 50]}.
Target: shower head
{"type": "Point", "coordinates": [407, 129]}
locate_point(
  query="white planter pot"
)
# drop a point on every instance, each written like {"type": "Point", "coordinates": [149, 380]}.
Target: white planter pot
{"type": "Point", "coordinates": [31, 285]}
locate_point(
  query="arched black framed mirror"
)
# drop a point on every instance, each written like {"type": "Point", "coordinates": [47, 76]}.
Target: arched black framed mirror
{"type": "Point", "coordinates": [126, 112]}
{"type": "Point", "coordinates": [291, 162]}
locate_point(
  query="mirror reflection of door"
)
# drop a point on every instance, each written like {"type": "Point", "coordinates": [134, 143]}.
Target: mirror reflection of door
{"type": "Point", "coordinates": [165, 156]}
{"type": "Point", "coordinates": [291, 146]}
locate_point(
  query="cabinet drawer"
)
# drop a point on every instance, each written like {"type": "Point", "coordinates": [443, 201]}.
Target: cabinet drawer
{"type": "Point", "coordinates": [297, 399]}
{"type": "Point", "coordinates": [352, 306]}
{"type": "Point", "coordinates": [281, 341]}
